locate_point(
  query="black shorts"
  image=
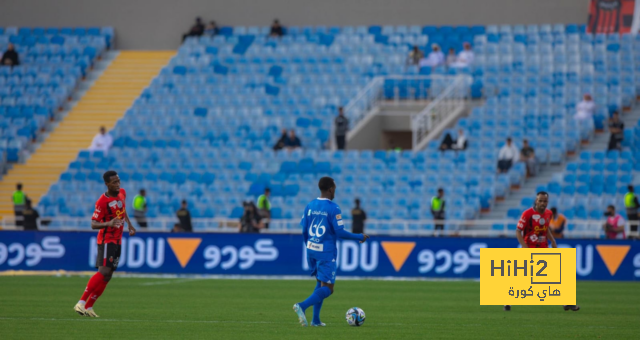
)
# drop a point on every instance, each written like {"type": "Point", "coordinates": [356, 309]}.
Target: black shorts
{"type": "Point", "coordinates": [108, 255]}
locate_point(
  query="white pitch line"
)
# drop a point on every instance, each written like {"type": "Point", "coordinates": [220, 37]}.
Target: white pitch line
{"type": "Point", "coordinates": [166, 282]}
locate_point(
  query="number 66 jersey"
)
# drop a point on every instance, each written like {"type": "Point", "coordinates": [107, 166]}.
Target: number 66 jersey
{"type": "Point", "coordinates": [320, 223]}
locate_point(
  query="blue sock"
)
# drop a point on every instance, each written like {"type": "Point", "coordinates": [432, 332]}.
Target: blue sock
{"type": "Point", "coordinates": [316, 308]}
{"type": "Point", "coordinates": [317, 297]}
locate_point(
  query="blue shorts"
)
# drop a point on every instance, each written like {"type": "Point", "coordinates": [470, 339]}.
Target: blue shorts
{"type": "Point", "coordinates": [323, 270]}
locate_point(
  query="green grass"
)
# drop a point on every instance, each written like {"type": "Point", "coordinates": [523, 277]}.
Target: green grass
{"type": "Point", "coordinates": [138, 308]}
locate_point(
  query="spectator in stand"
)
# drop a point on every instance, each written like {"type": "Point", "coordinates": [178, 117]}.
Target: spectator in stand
{"type": "Point", "coordinates": [465, 57]}
{"type": "Point", "coordinates": [631, 205]}
{"type": "Point", "coordinates": [282, 142]}
{"type": "Point", "coordinates": [557, 224]}
{"type": "Point", "coordinates": [508, 156]}
{"type": "Point", "coordinates": [31, 216]}
{"type": "Point", "coordinates": [211, 29]}
{"type": "Point", "coordinates": [616, 128]}
{"type": "Point", "coordinates": [102, 141]}
{"type": "Point", "coordinates": [528, 156]}
{"type": "Point", "coordinates": [177, 228]}
{"type": "Point", "coordinates": [293, 142]}
{"type": "Point", "coordinates": [184, 216]}
{"type": "Point", "coordinates": [451, 57]}
{"type": "Point", "coordinates": [461, 141]}
{"type": "Point", "coordinates": [614, 227]}
{"type": "Point", "coordinates": [10, 57]}
{"type": "Point", "coordinates": [358, 216]}
{"type": "Point", "coordinates": [19, 202]}
{"type": "Point", "coordinates": [264, 207]}
{"type": "Point", "coordinates": [250, 222]}
{"type": "Point", "coordinates": [415, 55]}
{"type": "Point", "coordinates": [585, 111]}
{"type": "Point", "coordinates": [434, 59]}
{"type": "Point", "coordinates": [437, 209]}
{"type": "Point", "coordinates": [341, 129]}
{"type": "Point", "coordinates": [447, 143]}
{"type": "Point", "coordinates": [196, 30]}
{"type": "Point", "coordinates": [276, 29]}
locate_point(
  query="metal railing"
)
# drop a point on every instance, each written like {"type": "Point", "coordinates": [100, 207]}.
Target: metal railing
{"type": "Point", "coordinates": [451, 97]}
{"type": "Point", "coordinates": [405, 88]}
{"type": "Point", "coordinates": [460, 228]}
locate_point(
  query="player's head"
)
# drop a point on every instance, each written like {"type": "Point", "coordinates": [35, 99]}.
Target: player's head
{"type": "Point", "coordinates": [357, 202]}
{"type": "Point", "coordinates": [111, 180]}
{"type": "Point", "coordinates": [327, 187]}
{"type": "Point", "coordinates": [19, 186]}
{"type": "Point", "coordinates": [541, 202]}
{"type": "Point", "coordinates": [630, 188]}
{"type": "Point", "coordinates": [267, 192]}
{"type": "Point", "coordinates": [611, 210]}
{"type": "Point", "coordinates": [184, 204]}
{"type": "Point", "coordinates": [440, 192]}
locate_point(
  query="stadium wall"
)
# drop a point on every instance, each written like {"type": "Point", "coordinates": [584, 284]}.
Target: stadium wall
{"type": "Point", "coordinates": [284, 255]}
{"type": "Point", "coordinates": [159, 24]}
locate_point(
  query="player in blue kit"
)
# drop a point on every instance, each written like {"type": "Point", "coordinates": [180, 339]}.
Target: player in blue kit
{"type": "Point", "coordinates": [322, 225]}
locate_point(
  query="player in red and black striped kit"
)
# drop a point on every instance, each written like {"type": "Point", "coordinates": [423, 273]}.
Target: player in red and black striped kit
{"type": "Point", "coordinates": [108, 217]}
{"type": "Point", "coordinates": [533, 231]}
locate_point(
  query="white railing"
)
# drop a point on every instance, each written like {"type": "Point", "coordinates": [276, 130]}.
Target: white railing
{"type": "Point", "coordinates": [406, 88]}
{"type": "Point", "coordinates": [451, 97]}
{"type": "Point", "coordinates": [466, 228]}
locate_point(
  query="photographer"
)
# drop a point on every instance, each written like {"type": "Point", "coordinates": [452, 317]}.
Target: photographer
{"type": "Point", "coordinates": [250, 220]}
{"type": "Point", "coordinates": [614, 227]}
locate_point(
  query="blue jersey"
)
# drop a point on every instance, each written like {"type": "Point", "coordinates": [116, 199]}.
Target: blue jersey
{"type": "Point", "coordinates": [322, 225]}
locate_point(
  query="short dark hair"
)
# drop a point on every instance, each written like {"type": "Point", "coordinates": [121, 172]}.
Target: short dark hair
{"type": "Point", "coordinates": [611, 207]}
{"type": "Point", "coordinates": [542, 193]}
{"type": "Point", "coordinates": [19, 186]}
{"type": "Point", "coordinates": [107, 175]}
{"type": "Point", "coordinates": [357, 200]}
{"type": "Point", "coordinates": [184, 201]}
{"type": "Point", "coordinates": [142, 190]}
{"type": "Point", "coordinates": [630, 187]}
{"type": "Point", "coordinates": [440, 191]}
{"type": "Point", "coordinates": [554, 210]}
{"type": "Point", "coordinates": [508, 139]}
{"type": "Point", "coordinates": [267, 190]}
{"type": "Point", "coordinates": [326, 183]}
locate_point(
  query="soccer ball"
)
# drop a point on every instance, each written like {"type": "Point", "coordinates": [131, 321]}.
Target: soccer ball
{"type": "Point", "coordinates": [355, 317]}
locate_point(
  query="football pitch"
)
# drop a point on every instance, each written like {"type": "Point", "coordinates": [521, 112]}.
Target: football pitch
{"type": "Point", "coordinates": [35, 307]}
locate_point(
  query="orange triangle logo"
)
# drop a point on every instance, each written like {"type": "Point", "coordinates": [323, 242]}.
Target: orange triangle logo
{"type": "Point", "coordinates": [184, 248]}
{"type": "Point", "coordinates": [398, 252]}
{"type": "Point", "coordinates": [612, 256]}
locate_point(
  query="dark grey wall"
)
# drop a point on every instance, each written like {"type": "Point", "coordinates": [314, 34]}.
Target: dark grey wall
{"type": "Point", "coordinates": [158, 24]}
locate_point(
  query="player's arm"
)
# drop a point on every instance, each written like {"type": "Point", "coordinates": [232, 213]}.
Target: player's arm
{"type": "Point", "coordinates": [521, 239]}
{"type": "Point", "coordinates": [520, 230]}
{"type": "Point", "coordinates": [101, 225]}
{"type": "Point", "coordinates": [551, 238]}
{"type": "Point", "coordinates": [338, 226]}
{"type": "Point", "coordinates": [132, 230]}
{"type": "Point", "coordinates": [98, 216]}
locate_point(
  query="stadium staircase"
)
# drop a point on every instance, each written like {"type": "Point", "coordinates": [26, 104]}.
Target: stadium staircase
{"type": "Point", "coordinates": [599, 142]}
{"type": "Point", "coordinates": [127, 73]}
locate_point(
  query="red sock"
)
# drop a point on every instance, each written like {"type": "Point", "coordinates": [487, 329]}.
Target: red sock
{"type": "Point", "coordinates": [94, 282]}
{"type": "Point", "coordinates": [96, 294]}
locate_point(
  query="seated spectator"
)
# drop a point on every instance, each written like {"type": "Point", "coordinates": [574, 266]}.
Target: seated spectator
{"type": "Point", "coordinates": [585, 111]}
{"type": "Point", "coordinates": [465, 57]}
{"type": "Point", "coordinates": [177, 228]}
{"type": "Point", "coordinates": [276, 29]}
{"type": "Point", "coordinates": [196, 30]}
{"type": "Point", "coordinates": [461, 141]}
{"type": "Point", "coordinates": [250, 220]}
{"type": "Point", "coordinates": [616, 128]}
{"type": "Point", "coordinates": [30, 216]}
{"type": "Point", "coordinates": [447, 143]}
{"type": "Point", "coordinates": [415, 55]}
{"type": "Point", "coordinates": [435, 57]}
{"type": "Point", "coordinates": [528, 156]}
{"type": "Point", "coordinates": [211, 29]}
{"type": "Point", "coordinates": [614, 227]}
{"type": "Point", "coordinates": [10, 57]}
{"type": "Point", "coordinates": [282, 142]}
{"type": "Point", "coordinates": [509, 155]}
{"type": "Point", "coordinates": [293, 142]}
{"type": "Point", "coordinates": [102, 141]}
{"type": "Point", "coordinates": [557, 223]}
{"type": "Point", "coordinates": [451, 57]}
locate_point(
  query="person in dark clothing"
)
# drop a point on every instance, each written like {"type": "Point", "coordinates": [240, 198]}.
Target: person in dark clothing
{"type": "Point", "coordinates": [631, 205]}
{"type": "Point", "coordinates": [341, 129]}
{"type": "Point", "coordinates": [196, 30]}
{"type": "Point", "coordinates": [250, 220]}
{"type": "Point", "coordinates": [276, 29]}
{"type": "Point", "coordinates": [30, 215]}
{"type": "Point", "coordinates": [10, 57]}
{"type": "Point", "coordinates": [177, 228]}
{"type": "Point", "coordinates": [211, 29]}
{"type": "Point", "coordinates": [616, 128]}
{"type": "Point", "coordinates": [437, 209]}
{"type": "Point", "coordinates": [293, 142]}
{"type": "Point", "coordinates": [282, 142]}
{"type": "Point", "coordinates": [358, 216]}
{"type": "Point", "coordinates": [185, 217]}
{"type": "Point", "coordinates": [447, 143]}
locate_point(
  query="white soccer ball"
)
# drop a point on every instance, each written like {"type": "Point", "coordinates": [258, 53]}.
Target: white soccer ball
{"type": "Point", "coordinates": [355, 317]}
